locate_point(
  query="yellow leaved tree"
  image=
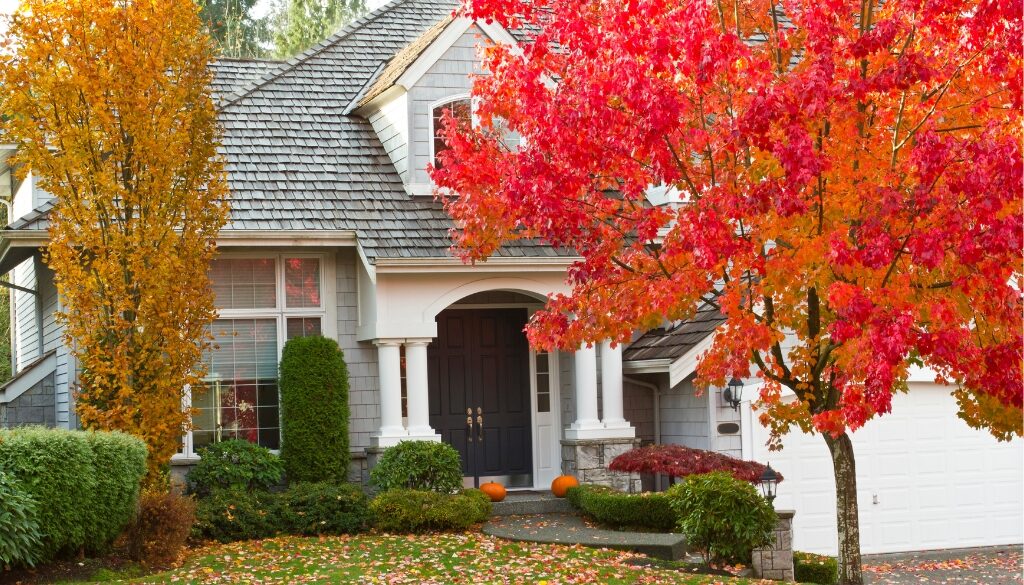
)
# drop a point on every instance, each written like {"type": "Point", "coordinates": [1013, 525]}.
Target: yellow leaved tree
{"type": "Point", "coordinates": [108, 102]}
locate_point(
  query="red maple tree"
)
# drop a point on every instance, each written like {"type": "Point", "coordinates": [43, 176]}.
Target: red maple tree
{"type": "Point", "coordinates": [848, 178]}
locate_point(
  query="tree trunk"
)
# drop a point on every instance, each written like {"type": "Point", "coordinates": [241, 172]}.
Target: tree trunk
{"type": "Point", "coordinates": [847, 518]}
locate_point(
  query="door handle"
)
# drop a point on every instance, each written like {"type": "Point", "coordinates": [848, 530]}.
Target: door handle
{"type": "Point", "coordinates": [480, 423]}
{"type": "Point", "coordinates": [469, 425]}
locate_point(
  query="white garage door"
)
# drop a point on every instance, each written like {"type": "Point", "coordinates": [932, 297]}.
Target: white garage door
{"type": "Point", "coordinates": [925, 480]}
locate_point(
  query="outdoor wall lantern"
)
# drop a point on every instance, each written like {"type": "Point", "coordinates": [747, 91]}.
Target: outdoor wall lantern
{"type": "Point", "coordinates": [733, 393]}
{"type": "Point", "coordinates": [769, 479]}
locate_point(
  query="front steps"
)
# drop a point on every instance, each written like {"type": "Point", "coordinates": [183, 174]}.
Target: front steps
{"type": "Point", "coordinates": [530, 502]}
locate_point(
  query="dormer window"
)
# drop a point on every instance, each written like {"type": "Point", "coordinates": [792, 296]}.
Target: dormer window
{"type": "Point", "coordinates": [461, 109]}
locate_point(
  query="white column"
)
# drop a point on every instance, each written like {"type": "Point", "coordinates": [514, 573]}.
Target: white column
{"type": "Point", "coordinates": [416, 387]}
{"type": "Point", "coordinates": [587, 425]}
{"type": "Point", "coordinates": [611, 390]}
{"type": "Point", "coordinates": [389, 364]}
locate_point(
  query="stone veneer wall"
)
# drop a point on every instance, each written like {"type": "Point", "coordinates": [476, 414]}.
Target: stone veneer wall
{"type": "Point", "coordinates": [588, 460]}
{"type": "Point", "coordinates": [37, 406]}
{"type": "Point", "coordinates": [775, 561]}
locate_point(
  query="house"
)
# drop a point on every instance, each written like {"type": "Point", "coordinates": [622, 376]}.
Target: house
{"type": "Point", "coordinates": [334, 231]}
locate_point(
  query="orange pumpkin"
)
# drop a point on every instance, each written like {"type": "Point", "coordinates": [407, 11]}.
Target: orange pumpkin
{"type": "Point", "coordinates": [495, 491]}
{"type": "Point", "coordinates": [562, 484]}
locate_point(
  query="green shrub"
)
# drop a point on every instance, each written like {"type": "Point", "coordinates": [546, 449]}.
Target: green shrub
{"type": "Point", "coordinates": [234, 464]}
{"type": "Point", "coordinates": [231, 514]}
{"type": "Point", "coordinates": [723, 517]}
{"type": "Point", "coordinates": [812, 568]}
{"type": "Point", "coordinates": [648, 511]}
{"type": "Point", "coordinates": [419, 465]}
{"type": "Point", "coordinates": [314, 410]}
{"type": "Point", "coordinates": [20, 538]}
{"type": "Point", "coordinates": [85, 484]}
{"type": "Point", "coordinates": [313, 509]}
{"type": "Point", "coordinates": [119, 458]}
{"type": "Point", "coordinates": [481, 500]}
{"type": "Point", "coordinates": [160, 528]}
{"type": "Point", "coordinates": [411, 511]}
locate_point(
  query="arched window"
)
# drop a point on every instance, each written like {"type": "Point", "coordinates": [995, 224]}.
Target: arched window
{"type": "Point", "coordinates": [461, 108]}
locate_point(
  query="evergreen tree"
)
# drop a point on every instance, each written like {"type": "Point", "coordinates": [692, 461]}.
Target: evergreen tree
{"type": "Point", "coordinates": [233, 28]}
{"type": "Point", "coordinates": [300, 24]}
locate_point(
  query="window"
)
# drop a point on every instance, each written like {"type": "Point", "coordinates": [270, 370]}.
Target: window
{"type": "Point", "coordinates": [262, 303]}
{"type": "Point", "coordinates": [461, 110]}
{"type": "Point", "coordinates": [543, 381]}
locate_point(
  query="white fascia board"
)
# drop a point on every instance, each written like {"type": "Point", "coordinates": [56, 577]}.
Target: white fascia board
{"type": "Point", "coordinates": [435, 51]}
{"type": "Point", "coordinates": [26, 379]}
{"type": "Point", "coordinates": [265, 238]}
{"type": "Point", "coordinates": [444, 41]}
{"type": "Point", "coordinates": [24, 238]}
{"type": "Point", "coordinates": [386, 97]}
{"type": "Point", "coordinates": [656, 366]}
{"type": "Point", "coordinates": [686, 364]}
{"type": "Point", "coordinates": [500, 264]}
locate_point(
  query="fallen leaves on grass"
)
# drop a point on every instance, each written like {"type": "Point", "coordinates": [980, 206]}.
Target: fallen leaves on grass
{"type": "Point", "coordinates": [426, 559]}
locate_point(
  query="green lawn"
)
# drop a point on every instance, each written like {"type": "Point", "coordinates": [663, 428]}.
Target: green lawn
{"type": "Point", "coordinates": [441, 558]}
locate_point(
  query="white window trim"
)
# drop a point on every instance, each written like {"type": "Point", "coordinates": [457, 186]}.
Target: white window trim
{"type": "Point", "coordinates": [441, 102]}
{"type": "Point", "coordinates": [326, 313]}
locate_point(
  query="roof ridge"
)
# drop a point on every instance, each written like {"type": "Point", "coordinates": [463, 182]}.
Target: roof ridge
{"type": "Point", "coordinates": [248, 59]}
{"type": "Point", "coordinates": [291, 63]}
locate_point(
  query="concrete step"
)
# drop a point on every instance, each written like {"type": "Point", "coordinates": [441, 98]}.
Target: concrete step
{"type": "Point", "coordinates": [570, 529]}
{"type": "Point", "coordinates": [517, 503]}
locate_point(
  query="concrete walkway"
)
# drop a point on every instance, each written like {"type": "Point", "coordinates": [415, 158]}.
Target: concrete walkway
{"type": "Point", "coordinates": [991, 566]}
{"type": "Point", "coordinates": [572, 529]}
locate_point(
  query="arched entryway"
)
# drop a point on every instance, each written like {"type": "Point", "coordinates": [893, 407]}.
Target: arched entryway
{"type": "Point", "coordinates": [482, 381]}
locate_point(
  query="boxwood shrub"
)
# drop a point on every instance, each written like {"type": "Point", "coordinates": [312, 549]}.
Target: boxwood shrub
{"type": "Point", "coordinates": [234, 464]}
{"type": "Point", "coordinates": [419, 465]}
{"type": "Point", "coordinates": [230, 514]}
{"type": "Point", "coordinates": [85, 484]}
{"type": "Point", "coordinates": [20, 538]}
{"type": "Point", "coordinates": [314, 410]}
{"type": "Point", "coordinates": [313, 509]}
{"type": "Point", "coordinates": [723, 517]}
{"type": "Point", "coordinates": [411, 511]}
{"type": "Point", "coordinates": [812, 568]}
{"type": "Point", "coordinates": [648, 511]}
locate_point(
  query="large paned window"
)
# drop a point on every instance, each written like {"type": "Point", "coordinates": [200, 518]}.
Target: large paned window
{"type": "Point", "coordinates": [461, 109]}
{"type": "Point", "coordinates": [262, 303]}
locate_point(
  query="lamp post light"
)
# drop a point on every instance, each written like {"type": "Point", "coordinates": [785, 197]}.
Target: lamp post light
{"type": "Point", "coordinates": [769, 480]}
{"type": "Point", "coordinates": [733, 393]}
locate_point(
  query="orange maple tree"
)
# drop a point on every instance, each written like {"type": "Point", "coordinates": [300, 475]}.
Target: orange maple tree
{"type": "Point", "coordinates": [109, 105]}
{"type": "Point", "coordinates": [848, 186]}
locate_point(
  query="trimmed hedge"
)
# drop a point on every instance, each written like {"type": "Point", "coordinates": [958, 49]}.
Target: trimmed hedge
{"type": "Point", "coordinates": [20, 538]}
{"type": "Point", "coordinates": [86, 484]}
{"type": "Point", "coordinates": [411, 511]}
{"type": "Point", "coordinates": [118, 459]}
{"type": "Point", "coordinates": [648, 511]}
{"type": "Point", "coordinates": [812, 568]}
{"type": "Point", "coordinates": [314, 410]}
{"type": "Point", "coordinates": [419, 465]}
{"type": "Point", "coordinates": [235, 464]}
{"type": "Point", "coordinates": [723, 517]}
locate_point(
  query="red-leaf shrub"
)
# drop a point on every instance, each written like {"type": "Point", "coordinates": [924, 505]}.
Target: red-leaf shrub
{"type": "Point", "coordinates": [680, 461]}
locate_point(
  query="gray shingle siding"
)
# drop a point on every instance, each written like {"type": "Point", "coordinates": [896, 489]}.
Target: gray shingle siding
{"type": "Point", "coordinates": [360, 357]}
{"type": "Point", "coordinates": [26, 325]}
{"type": "Point", "coordinates": [447, 77]}
{"type": "Point", "coordinates": [684, 417]}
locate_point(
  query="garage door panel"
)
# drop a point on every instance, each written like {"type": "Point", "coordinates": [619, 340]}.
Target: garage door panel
{"type": "Point", "coordinates": [939, 483]}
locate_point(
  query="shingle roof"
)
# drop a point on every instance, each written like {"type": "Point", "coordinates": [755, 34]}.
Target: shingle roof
{"type": "Point", "coordinates": [402, 61]}
{"type": "Point", "coordinates": [677, 340]}
{"type": "Point", "coordinates": [295, 161]}
{"type": "Point", "coordinates": [233, 75]}
{"type": "Point", "coordinates": [33, 220]}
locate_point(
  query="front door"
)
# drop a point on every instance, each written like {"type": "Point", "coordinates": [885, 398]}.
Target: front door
{"type": "Point", "coordinates": [480, 393]}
